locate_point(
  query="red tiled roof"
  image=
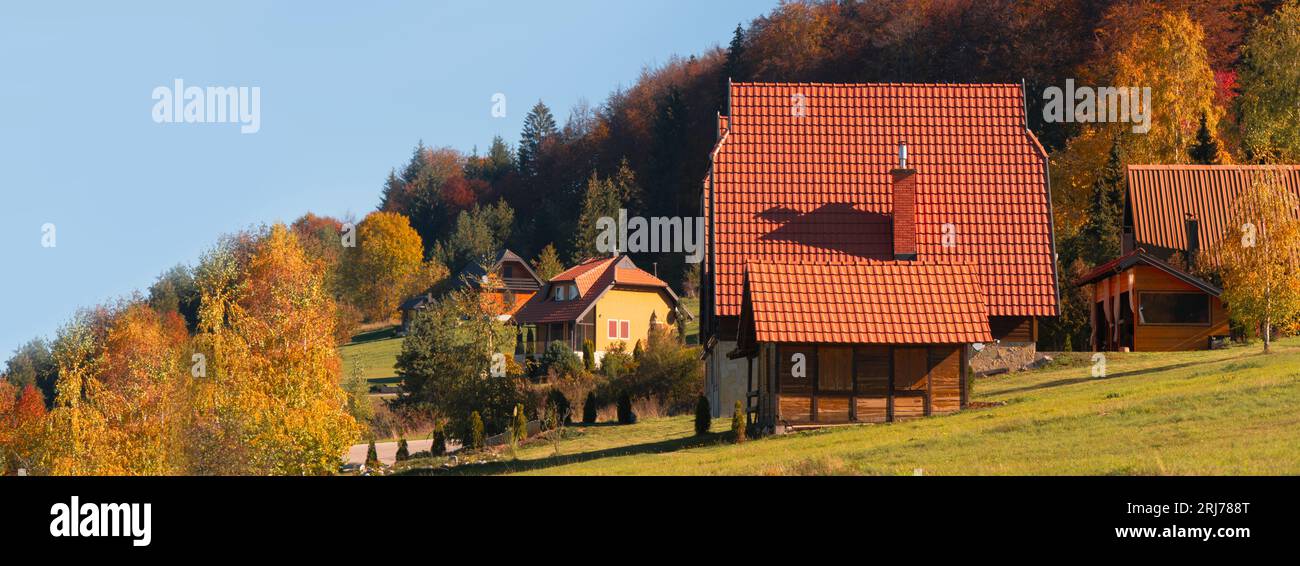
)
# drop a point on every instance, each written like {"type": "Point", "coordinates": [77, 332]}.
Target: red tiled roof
{"type": "Point", "coordinates": [818, 189]}
{"type": "Point", "coordinates": [901, 302]}
{"type": "Point", "coordinates": [1161, 196]}
{"type": "Point", "coordinates": [593, 277]}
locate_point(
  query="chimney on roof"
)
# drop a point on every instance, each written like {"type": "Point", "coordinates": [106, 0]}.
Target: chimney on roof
{"type": "Point", "coordinates": [904, 191]}
{"type": "Point", "coordinates": [1193, 232]}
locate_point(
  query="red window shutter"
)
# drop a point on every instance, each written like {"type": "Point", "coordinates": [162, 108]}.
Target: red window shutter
{"type": "Point", "coordinates": [613, 329]}
{"type": "Point", "coordinates": [623, 331]}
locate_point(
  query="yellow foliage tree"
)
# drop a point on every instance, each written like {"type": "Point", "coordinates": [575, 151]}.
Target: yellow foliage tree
{"type": "Point", "coordinates": [1165, 52]}
{"type": "Point", "coordinates": [119, 407]}
{"type": "Point", "coordinates": [271, 401]}
{"type": "Point", "coordinates": [385, 265]}
{"type": "Point", "coordinates": [1260, 256]}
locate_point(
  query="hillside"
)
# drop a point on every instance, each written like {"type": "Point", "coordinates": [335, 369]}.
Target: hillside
{"type": "Point", "coordinates": [1231, 411]}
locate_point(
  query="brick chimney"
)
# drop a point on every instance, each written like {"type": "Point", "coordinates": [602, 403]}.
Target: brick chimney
{"type": "Point", "coordinates": [904, 189]}
{"type": "Point", "coordinates": [1192, 229]}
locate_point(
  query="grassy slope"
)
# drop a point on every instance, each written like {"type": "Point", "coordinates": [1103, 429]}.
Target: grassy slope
{"type": "Point", "coordinates": [376, 352]}
{"type": "Point", "coordinates": [1224, 412]}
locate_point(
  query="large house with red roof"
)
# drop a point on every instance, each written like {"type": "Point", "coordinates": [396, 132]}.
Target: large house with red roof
{"type": "Point", "coordinates": [1141, 300]}
{"type": "Point", "coordinates": [860, 237]}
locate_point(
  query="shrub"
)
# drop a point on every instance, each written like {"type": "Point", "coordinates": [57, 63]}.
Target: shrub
{"type": "Point", "coordinates": [703, 416]}
{"type": "Point", "coordinates": [588, 356]}
{"type": "Point", "coordinates": [589, 408]}
{"type": "Point", "coordinates": [667, 370]}
{"type": "Point", "coordinates": [625, 414]}
{"type": "Point", "coordinates": [475, 431]}
{"type": "Point", "coordinates": [439, 446]}
{"type": "Point", "coordinates": [521, 424]}
{"type": "Point", "coordinates": [558, 405]}
{"type": "Point", "coordinates": [372, 455]}
{"type": "Point", "coordinates": [559, 358]}
{"type": "Point", "coordinates": [403, 451]}
{"type": "Point", "coordinates": [738, 423]}
{"type": "Point", "coordinates": [617, 362]}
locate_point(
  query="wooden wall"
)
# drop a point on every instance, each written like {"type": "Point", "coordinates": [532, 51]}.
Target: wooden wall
{"type": "Point", "coordinates": [1014, 328]}
{"type": "Point", "coordinates": [865, 383]}
{"type": "Point", "coordinates": [1165, 337]}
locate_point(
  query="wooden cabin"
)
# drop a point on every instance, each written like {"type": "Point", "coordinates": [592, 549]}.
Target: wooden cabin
{"type": "Point", "coordinates": [821, 183]}
{"type": "Point", "coordinates": [1140, 303]}
{"type": "Point", "coordinates": [857, 343]}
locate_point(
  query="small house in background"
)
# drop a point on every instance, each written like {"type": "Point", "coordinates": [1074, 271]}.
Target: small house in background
{"type": "Point", "coordinates": [1142, 303]}
{"type": "Point", "coordinates": [858, 343]}
{"type": "Point", "coordinates": [603, 300]}
{"type": "Point", "coordinates": [1175, 216]}
{"type": "Point", "coordinates": [505, 287]}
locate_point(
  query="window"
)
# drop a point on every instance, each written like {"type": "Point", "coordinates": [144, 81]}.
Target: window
{"type": "Point", "coordinates": [1174, 308]}
{"type": "Point", "coordinates": [573, 292]}
{"type": "Point", "coordinates": [557, 293]}
{"type": "Point", "coordinates": [618, 329]}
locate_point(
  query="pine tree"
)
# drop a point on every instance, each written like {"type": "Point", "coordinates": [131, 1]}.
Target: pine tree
{"type": "Point", "coordinates": [738, 423]}
{"type": "Point", "coordinates": [547, 264]}
{"type": "Point", "coordinates": [539, 125]}
{"type": "Point", "coordinates": [703, 416]}
{"type": "Point", "coordinates": [1205, 151]}
{"type": "Point", "coordinates": [403, 451]}
{"type": "Point", "coordinates": [1100, 235]}
{"type": "Point", "coordinates": [372, 455]}
{"type": "Point", "coordinates": [589, 408]}
{"type": "Point", "coordinates": [601, 200]}
{"type": "Point", "coordinates": [476, 431]}
{"type": "Point", "coordinates": [588, 356]}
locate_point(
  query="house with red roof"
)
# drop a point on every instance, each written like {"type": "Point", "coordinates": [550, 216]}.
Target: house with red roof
{"type": "Point", "coordinates": [1143, 301]}
{"type": "Point", "coordinates": [604, 300]}
{"type": "Point", "coordinates": [860, 237]}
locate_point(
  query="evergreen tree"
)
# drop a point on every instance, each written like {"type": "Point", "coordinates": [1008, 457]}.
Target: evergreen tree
{"type": "Point", "coordinates": [589, 408]}
{"type": "Point", "coordinates": [1100, 236]}
{"type": "Point", "coordinates": [588, 356]}
{"type": "Point", "coordinates": [439, 445]}
{"type": "Point", "coordinates": [475, 440]}
{"type": "Point", "coordinates": [703, 416]}
{"type": "Point", "coordinates": [738, 423]}
{"type": "Point", "coordinates": [600, 201]}
{"type": "Point", "coordinates": [1205, 151]}
{"type": "Point", "coordinates": [521, 424]}
{"type": "Point", "coordinates": [539, 126]}
{"type": "Point", "coordinates": [547, 263]}
{"type": "Point", "coordinates": [372, 455]}
{"type": "Point", "coordinates": [731, 67]}
{"type": "Point", "coordinates": [403, 451]}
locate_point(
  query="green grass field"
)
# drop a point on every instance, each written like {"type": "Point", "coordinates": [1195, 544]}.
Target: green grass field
{"type": "Point", "coordinates": [1226, 412]}
{"type": "Point", "coordinates": [692, 326]}
{"type": "Point", "coordinates": [376, 352]}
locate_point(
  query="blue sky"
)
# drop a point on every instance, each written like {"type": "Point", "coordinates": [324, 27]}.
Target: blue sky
{"type": "Point", "coordinates": [346, 92]}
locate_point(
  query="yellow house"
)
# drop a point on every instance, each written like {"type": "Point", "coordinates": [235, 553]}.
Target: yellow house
{"type": "Point", "coordinates": [604, 300]}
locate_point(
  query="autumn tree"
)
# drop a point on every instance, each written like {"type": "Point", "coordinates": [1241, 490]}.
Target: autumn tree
{"type": "Point", "coordinates": [385, 265]}
{"type": "Point", "coordinates": [33, 364]}
{"type": "Point", "coordinates": [271, 401]}
{"type": "Point", "coordinates": [1270, 101]}
{"type": "Point", "coordinates": [1260, 256]}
